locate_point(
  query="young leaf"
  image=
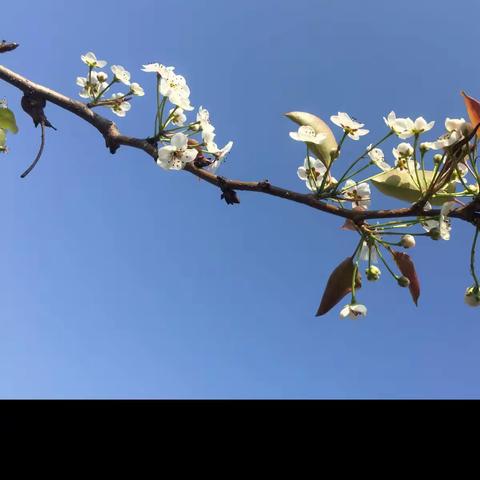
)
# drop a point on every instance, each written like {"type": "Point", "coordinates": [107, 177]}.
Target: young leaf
{"type": "Point", "coordinates": [407, 267]}
{"type": "Point", "coordinates": [339, 284]}
{"type": "Point", "coordinates": [473, 110]}
{"type": "Point", "coordinates": [400, 185]}
{"type": "Point", "coordinates": [323, 150]}
{"type": "Point", "coordinates": [7, 120]}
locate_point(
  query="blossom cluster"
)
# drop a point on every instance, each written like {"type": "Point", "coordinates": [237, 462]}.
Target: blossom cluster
{"type": "Point", "coordinates": [95, 85]}
{"type": "Point", "coordinates": [410, 177]}
{"type": "Point", "coordinates": [179, 145]}
{"type": "Point", "coordinates": [172, 130]}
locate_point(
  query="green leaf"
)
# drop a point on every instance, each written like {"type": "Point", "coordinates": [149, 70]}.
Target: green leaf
{"type": "Point", "coordinates": [339, 284]}
{"type": "Point", "coordinates": [7, 120]}
{"type": "Point", "coordinates": [400, 185]}
{"type": "Point", "coordinates": [322, 151]}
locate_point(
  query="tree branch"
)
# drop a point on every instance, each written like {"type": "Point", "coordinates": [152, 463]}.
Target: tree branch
{"type": "Point", "coordinates": [114, 139]}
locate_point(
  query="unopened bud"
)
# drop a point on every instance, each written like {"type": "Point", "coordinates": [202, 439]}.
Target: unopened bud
{"type": "Point", "coordinates": [437, 158]}
{"type": "Point", "coordinates": [434, 233]}
{"type": "Point", "coordinates": [472, 297]}
{"type": "Point", "coordinates": [403, 281]}
{"type": "Point", "coordinates": [195, 127]}
{"type": "Point", "coordinates": [424, 147]}
{"type": "Point", "coordinates": [373, 273]}
{"type": "Point", "coordinates": [407, 241]}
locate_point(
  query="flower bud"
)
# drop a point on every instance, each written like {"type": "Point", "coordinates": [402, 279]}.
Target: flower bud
{"type": "Point", "coordinates": [472, 297]}
{"type": "Point", "coordinates": [473, 188]}
{"type": "Point", "coordinates": [403, 281]}
{"type": "Point", "coordinates": [195, 127]}
{"type": "Point", "coordinates": [434, 233]}
{"type": "Point", "coordinates": [424, 147]}
{"type": "Point", "coordinates": [373, 273]}
{"type": "Point", "coordinates": [407, 241]}
{"type": "Point", "coordinates": [437, 158]}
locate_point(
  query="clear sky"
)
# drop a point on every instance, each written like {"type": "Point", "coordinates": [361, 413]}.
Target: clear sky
{"type": "Point", "coordinates": [119, 279]}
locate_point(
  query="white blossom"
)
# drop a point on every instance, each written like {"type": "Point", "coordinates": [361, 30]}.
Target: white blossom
{"type": "Point", "coordinates": [368, 253]}
{"type": "Point", "coordinates": [121, 74]}
{"type": "Point", "coordinates": [93, 85]}
{"type": "Point", "coordinates": [312, 173]}
{"type": "Point", "coordinates": [308, 134]}
{"type": "Point", "coordinates": [378, 158]}
{"type": "Point", "coordinates": [351, 127]}
{"type": "Point", "coordinates": [121, 107]}
{"type": "Point", "coordinates": [162, 70]}
{"type": "Point", "coordinates": [396, 125]}
{"type": "Point", "coordinates": [176, 155]}
{"type": "Point", "coordinates": [178, 116]}
{"type": "Point", "coordinates": [454, 124]}
{"type": "Point", "coordinates": [91, 60]}
{"type": "Point", "coordinates": [136, 90]}
{"type": "Point", "coordinates": [359, 194]}
{"type": "Point", "coordinates": [444, 224]}
{"type": "Point", "coordinates": [353, 311]}
{"type": "Point", "coordinates": [414, 127]}
{"type": "Point", "coordinates": [403, 157]}
{"type": "Point", "coordinates": [175, 88]}
{"type": "Point", "coordinates": [219, 153]}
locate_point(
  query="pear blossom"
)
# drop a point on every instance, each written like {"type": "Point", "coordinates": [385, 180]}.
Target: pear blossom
{"type": "Point", "coordinates": [308, 134]}
{"type": "Point", "coordinates": [368, 252]}
{"type": "Point", "coordinates": [121, 74]}
{"type": "Point", "coordinates": [162, 70]}
{"type": "Point", "coordinates": [120, 107]}
{"type": "Point", "coordinates": [136, 90]}
{"type": "Point", "coordinates": [219, 153]}
{"type": "Point", "coordinates": [203, 118]}
{"type": "Point", "coordinates": [351, 127]}
{"type": "Point", "coordinates": [176, 155]}
{"type": "Point", "coordinates": [444, 224]}
{"type": "Point", "coordinates": [416, 127]}
{"type": "Point", "coordinates": [378, 158]}
{"type": "Point", "coordinates": [428, 223]}
{"type": "Point", "coordinates": [472, 297]}
{"type": "Point", "coordinates": [312, 173]}
{"type": "Point", "coordinates": [92, 85]}
{"type": "Point", "coordinates": [178, 116]}
{"type": "Point", "coordinates": [353, 311]}
{"type": "Point", "coordinates": [403, 154]}
{"type": "Point", "coordinates": [455, 128]}
{"type": "Point", "coordinates": [359, 194]}
{"type": "Point", "coordinates": [396, 125]}
{"type": "Point", "coordinates": [455, 124]}
{"type": "Point", "coordinates": [91, 60]}
{"type": "Point", "coordinates": [175, 88]}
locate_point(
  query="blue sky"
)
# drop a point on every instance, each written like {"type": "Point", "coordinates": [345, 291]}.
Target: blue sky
{"type": "Point", "coordinates": [121, 280]}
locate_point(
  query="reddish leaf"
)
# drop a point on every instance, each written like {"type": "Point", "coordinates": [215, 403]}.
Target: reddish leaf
{"type": "Point", "coordinates": [339, 284]}
{"type": "Point", "coordinates": [473, 110]}
{"type": "Point", "coordinates": [407, 267]}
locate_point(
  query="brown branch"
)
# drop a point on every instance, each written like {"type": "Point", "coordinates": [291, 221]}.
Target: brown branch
{"type": "Point", "coordinates": [114, 139]}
